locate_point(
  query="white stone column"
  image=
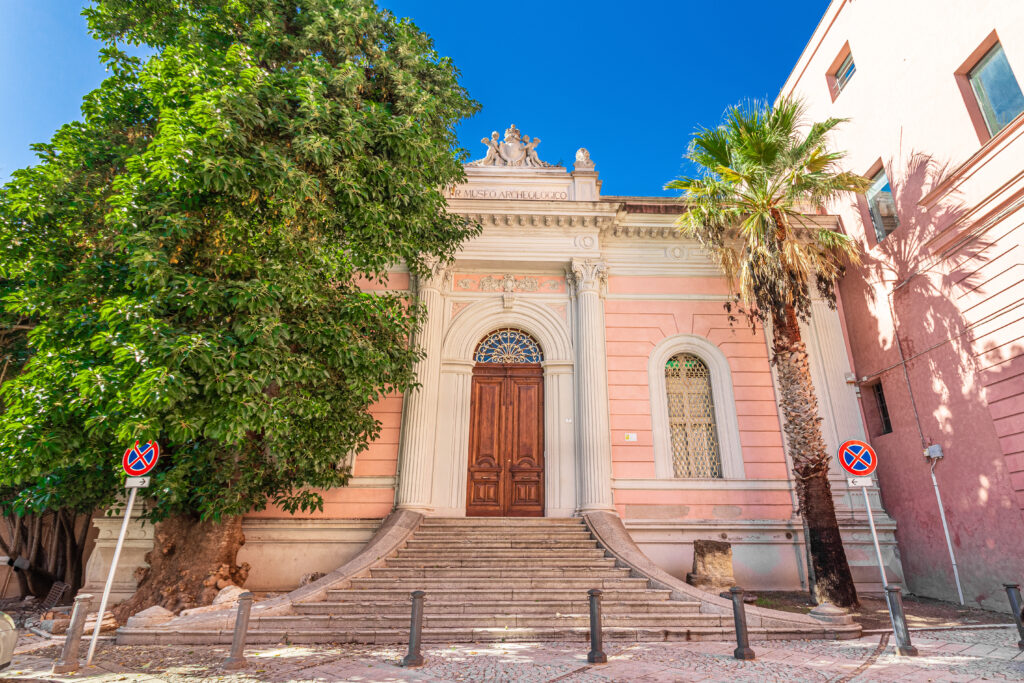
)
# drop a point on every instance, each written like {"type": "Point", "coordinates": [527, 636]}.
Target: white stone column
{"type": "Point", "coordinates": [419, 408]}
{"type": "Point", "coordinates": [594, 434]}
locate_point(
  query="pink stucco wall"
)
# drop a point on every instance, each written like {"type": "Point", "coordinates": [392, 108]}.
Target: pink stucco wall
{"type": "Point", "coordinates": [947, 281]}
{"type": "Point", "coordinates": [633, 328]}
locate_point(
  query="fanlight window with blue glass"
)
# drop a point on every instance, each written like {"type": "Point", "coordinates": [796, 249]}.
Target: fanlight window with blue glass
{"type": "Point", "coordinates": [508, 346]}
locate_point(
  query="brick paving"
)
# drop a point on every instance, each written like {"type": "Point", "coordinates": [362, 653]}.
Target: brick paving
{"type": "Point", "coordinates": [954, 655]}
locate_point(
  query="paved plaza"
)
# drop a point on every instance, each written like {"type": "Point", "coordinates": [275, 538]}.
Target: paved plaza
{"type": "Point", "coordinates": [952, 655]}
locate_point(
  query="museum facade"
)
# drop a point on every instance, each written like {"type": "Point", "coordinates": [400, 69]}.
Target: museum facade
{"type": "Point", "coordinates": [578, 358]}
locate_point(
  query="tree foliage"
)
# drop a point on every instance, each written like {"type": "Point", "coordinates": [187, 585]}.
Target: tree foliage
{"type": "Point", "coordinates": [189, 255]}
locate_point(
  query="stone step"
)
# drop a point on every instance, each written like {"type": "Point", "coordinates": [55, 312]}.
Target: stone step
{"type": "Point", "coordinates": [268, 636]}
{"type": "Point", "coordinates": [441, 583]}
{"type": "Point", "coordinates": [330, 622]}
{"type": "Point", "coordinates": [508, 553]}
{"type": "Point", "coordinates": [460, 536]}
{"type": "Point", "coordinates": [483, 563]}
{"type": "Point", "coordinates": [498, 572]}
{"type": "Point", "coordinates": [430, 522]}
{"type": "Point", "coordinates": [444, 545]}
{"type": "Point", "coordinates": [579, 606]}
{"type": "Point", "coordinates": [389, 591]}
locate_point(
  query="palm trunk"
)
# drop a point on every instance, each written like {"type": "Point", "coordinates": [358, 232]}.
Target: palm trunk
{"type": "Point", "coordinates": [832, 579]}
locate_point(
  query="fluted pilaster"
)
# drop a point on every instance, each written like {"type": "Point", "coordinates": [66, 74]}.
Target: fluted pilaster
{"type": "Point", "coordinates": [419, 410]}
{"type": "Point", "coordinates": [593, 436]}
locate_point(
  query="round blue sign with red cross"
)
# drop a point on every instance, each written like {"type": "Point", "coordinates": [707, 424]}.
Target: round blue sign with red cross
{"type": "Point", "coordinates": [139, 460]}
{"type": "Point", "coordinates": [857, 458]}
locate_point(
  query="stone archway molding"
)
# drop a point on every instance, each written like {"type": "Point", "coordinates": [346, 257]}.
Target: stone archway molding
{"type": "Point", "coordinates": [477, 320]}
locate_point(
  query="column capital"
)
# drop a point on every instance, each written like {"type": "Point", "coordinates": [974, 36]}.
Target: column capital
{"type": "Point", "coordinates": [587, 275]}
{"type": "Point", "coordinates": [437, 276]}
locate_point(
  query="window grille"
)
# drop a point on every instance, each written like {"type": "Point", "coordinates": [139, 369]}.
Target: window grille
{"type": "Point", "coordinates": [508, 346]}
{"type": "Point", "coordinates": [691, 418]}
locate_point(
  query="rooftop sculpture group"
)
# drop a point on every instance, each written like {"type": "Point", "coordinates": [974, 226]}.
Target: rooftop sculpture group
{"type": "Point", "coordinates": [515, 150]}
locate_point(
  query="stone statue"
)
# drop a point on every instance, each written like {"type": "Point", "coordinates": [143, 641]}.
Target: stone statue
{"type": "Point", "coordinates": [583, 160]}
{"type": "Point", "coordinates": [531, 152]}
{"type": "Point", "coordinates": [515, 150]}
{"type": "Point", "coordinates": [493, 157]}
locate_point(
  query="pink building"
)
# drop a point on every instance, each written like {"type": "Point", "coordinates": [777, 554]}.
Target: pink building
{"type": "Point", "coordinates": [934, 317]}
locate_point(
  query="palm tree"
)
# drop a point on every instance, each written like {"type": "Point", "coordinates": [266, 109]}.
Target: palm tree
{"type": "Point", "coordinates": [761, 172]}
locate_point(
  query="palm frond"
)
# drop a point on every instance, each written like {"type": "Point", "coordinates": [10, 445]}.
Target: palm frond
{"type": "Point", "coordinates": [758, 171]}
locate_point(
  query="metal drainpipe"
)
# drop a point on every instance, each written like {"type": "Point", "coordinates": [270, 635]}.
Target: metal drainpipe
{"type": "Point", "coordinates": [903, 362]}
{"type": "Point", "coordinates": [920, 432]}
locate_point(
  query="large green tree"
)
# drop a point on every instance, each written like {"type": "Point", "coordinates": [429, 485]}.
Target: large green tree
{"type": "Point", "coordinates": [761, 172]}
{"type": "Point", "coordinates": [189, 256]}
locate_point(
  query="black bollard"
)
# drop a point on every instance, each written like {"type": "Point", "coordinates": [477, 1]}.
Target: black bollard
{"type": "Point", "coordinates": [68, 661]}
{"type": "Point", "coordinates": [415, 657]}
{"type": "Point", "coordinates": [1017, 607]}
{"type": "Point", "coordinates": [739, 615]}
{"type": "Point", "coordinates": [596, 654]}
{"type": "Point", "coordinates": [236, 660]}
{"type": "Point", "coordinates": [894, 597]}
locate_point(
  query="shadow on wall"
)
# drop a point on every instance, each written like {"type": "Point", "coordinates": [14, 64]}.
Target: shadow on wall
{"type": "Point", "coordinates": [937, 299]}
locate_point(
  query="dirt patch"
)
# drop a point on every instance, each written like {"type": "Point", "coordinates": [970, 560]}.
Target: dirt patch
{"type": "Point", "coordinates": [873, 613]}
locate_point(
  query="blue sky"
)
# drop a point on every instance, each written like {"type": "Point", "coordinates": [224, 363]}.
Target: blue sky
{"type": "Point", "coordinates": [630, 81]}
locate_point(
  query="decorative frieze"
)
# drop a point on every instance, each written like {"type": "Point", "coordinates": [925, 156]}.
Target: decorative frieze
{"type": "Point", "coordinates": [509, 283]}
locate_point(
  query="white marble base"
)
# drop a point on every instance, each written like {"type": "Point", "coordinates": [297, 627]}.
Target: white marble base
{"type": "Point", "coordinates": [767, 555]}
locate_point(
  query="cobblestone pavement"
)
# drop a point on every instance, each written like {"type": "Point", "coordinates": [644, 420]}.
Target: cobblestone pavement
{"type": "Point", "coordinates": [958, 655]}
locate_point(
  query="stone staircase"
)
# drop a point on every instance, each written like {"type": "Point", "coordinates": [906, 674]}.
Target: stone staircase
{"type": "Point", "coordinates": [493, 579]}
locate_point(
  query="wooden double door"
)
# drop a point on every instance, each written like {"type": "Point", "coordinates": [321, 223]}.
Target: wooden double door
{"type": "Point", "coordinates": [506, 441]}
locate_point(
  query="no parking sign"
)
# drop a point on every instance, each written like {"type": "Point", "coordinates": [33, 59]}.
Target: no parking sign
{"type": "Point", "coordinates": [858, 458]}
{"type": "Point", "coordinates": [139, 460]}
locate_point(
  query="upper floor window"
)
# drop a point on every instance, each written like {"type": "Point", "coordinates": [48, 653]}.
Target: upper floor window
{"type": "Point", "coordinates": [996, 89]}
{"type": "Point", "coordinates": [845, 72]}
{"type": "Point", "coordinates": [840, 71]}
{"type": "Point", "coordinates": [885, 424]}
{"type": "Point", "coordinates": [691, 418]}
{"type": "Point", "coordinates": [882, 206]}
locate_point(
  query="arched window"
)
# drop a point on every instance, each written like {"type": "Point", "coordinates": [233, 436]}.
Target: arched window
{"type": "Point", "coordinates": [691, 418]}
{"type": "Point", "coordinates": [508, 346]}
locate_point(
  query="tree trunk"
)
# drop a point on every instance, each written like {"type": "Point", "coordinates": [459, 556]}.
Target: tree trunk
{"type": "Point", "coordinates": [189, 563]}
{"type": "Point", "coordinates": [832, 579]}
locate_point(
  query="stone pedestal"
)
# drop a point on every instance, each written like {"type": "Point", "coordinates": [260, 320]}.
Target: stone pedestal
{"type": "Point", "coordinates": [712, 566]}
{"type": "Point", "coordinates": [138, 541]}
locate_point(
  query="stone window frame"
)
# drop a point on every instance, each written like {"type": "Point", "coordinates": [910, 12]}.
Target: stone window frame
{"type": "Point", "coordinates": [722, 396]}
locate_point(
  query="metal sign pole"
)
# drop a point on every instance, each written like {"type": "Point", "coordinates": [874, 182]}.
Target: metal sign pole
{"type": "Point", "coordinates": [110, 576]}
{"type": "Point", "coordinates": [874, 537]}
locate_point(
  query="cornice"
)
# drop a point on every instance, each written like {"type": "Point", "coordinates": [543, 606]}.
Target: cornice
{"type": "Point", "coordinates": [539, 220]}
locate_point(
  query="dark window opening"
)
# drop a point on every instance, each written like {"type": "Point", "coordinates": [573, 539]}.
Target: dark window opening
{"type": "Point", "coordinates": [883, 410]}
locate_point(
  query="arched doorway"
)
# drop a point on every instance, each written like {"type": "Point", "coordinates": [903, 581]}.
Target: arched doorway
{"type": "Point", "coordinates": [506, 427]}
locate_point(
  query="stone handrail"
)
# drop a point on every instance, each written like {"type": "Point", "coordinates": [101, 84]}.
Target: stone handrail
{"type": "Point", "coordinates": [392, 535]}
{"type": "Point", "coordinates": [608, 529]}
